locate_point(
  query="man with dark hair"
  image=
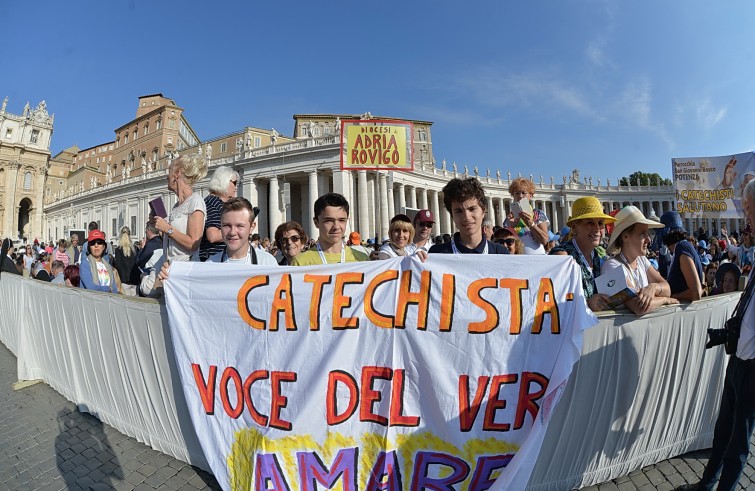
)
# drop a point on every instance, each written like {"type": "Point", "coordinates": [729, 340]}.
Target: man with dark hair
{"type": "Point", "coordinates": [331, 217]}
{"type": "Point", "coordinates": [464, 199]}
{"type": "Point", "coordinates": [150, 252]}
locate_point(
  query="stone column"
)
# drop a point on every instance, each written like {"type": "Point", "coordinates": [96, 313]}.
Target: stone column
{"type": "Point", "coordinates": [312, 197]}
{"type": "Point", "coordinates": [391, 202]}
{"type": "Point", "coordinates": [412, 197]}
{"type": "Point", "coordinates": [274, 205]}
{"type": "Point", "coordinates": [262, 220]}
{"type": "Point", "coordinates": [384, 198]}
{"type": "Point", "coordinates": [501, 216]}
{"type": "Point", "coordinates": [373, 207]}
{"type": "Point", "coordinates": [434, 207]}
{"type": "Point", "coordinates": [363, 223]}
{"type": "Point", "coordinates": [423, 199]}
{"type": "Point", "coordinates": [491, 210]}
{"type": "Point", "coordinates": [401, 199]}
{"type": "Point", "coordinates": [11, 213]}
{"type": "Point", "coordinates": [342, 185]}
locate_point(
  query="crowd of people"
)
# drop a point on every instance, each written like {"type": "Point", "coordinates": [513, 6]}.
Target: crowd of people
{"type": "Point", "coordinates": [665, 267]}
{"type": "Point", "coordinates": [661, 262]}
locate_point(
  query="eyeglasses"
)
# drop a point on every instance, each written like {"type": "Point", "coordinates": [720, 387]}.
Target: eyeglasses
{"type": "Point", "coordinates": [293, 239]}
{"type": "Point", "coordinates": [235, 183]}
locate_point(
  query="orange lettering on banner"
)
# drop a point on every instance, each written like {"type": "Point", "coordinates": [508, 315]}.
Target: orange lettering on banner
{"type": "Point", "coordinates": [230, 373]}
{"type": "Point", "coordinates": [494, 403]}
{"type": "Point", "coordinates": [396, 417]}
{"type": "Point", "coordinates": [419, 298]}
{"type": "Point", "coordinates": [527, 399]}
{"type": "Point", "coordinates": [241, 300]}
{"type": "Point", "coordinates": [447, 299]}
{"type": "Point", "coordinates": [467, 413]}
{"type": "Point", "coordinates": [515, 286]}
{"type": "Point", "coordinates": [278, 401]}
{"type": "Point", "coordinates": [253, 377]}
{"type": "Point", "coordinates": [341, 301]}
{"type": "Point", "coordinates": [546, 304]}
{"type": "Point", "coordinates": [283, 301]}
{"type": "Point", "coordinates": [377, 318]}
{"type": "Point", "coordinates": [334, 378]}
{"type": "Point", "coordinates": [492, 318]}
{"type": "Point", "coordinates": [206, 390]}
{"type": "Point", "coordinates": [317, 280]}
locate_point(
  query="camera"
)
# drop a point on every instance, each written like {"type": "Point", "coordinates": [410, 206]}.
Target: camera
{"type": "Point", "coordinates": [728, 336]}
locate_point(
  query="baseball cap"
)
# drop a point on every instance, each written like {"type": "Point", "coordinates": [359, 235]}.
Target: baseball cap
{"type": "Point", "coordinates": [423, 216]}
{"type": "Point", "coordinates": [96, 235]}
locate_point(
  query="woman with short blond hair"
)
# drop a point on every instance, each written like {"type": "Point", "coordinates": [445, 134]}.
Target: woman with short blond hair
{"type": "Point", "coordinates": [400, 233]}
{"type": "Point", "coordinates": [531, 227]}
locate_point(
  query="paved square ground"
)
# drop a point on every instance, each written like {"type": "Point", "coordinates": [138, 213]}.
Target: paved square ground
{"type": "Point", "coordinates": [46, 444]}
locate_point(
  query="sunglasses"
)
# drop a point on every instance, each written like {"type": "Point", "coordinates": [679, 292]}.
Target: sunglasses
{"type": "Point", "coordinates": [506, 241]}
{"type": "Point", "coordinates": [293, 239]}
{"type": "Point", "coordinates": [426, 224]}
{"type": "Point", "coordinates": [235, 183]}
{"type": "Point", "coordinates": [98, 242]}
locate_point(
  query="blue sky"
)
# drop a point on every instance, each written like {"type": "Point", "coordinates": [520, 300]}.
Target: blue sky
{"type": "Point", "coordinates": [532, 87]}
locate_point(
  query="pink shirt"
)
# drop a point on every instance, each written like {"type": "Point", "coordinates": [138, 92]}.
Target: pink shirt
{"type": "Point", "coordinates": [61, 256]}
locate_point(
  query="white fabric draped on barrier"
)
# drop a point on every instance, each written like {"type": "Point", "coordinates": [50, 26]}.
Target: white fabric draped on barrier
{"type": "Point", "coordinates": [643, 391]}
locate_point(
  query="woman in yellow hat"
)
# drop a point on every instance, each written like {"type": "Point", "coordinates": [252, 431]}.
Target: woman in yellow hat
{"type": "Point", "coordinates": [588, 226]}
{"type": "Point", "coordinates": [629, 245]}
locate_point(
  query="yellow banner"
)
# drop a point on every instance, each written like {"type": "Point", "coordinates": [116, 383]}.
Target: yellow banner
{"type": "Point", "coordinates": [377, 145]}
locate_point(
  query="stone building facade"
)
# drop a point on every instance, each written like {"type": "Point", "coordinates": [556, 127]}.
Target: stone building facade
{"type": "Point", "coordinates": [24, 155]}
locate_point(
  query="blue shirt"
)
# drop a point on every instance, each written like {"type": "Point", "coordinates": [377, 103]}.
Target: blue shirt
{"type": "Point", "coordinates": [446, 248]}
{"type": "Point", "coordinates": [675, 276]}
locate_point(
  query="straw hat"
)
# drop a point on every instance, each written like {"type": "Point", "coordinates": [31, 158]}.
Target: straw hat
{"type": "Point", "coordinates": [588, 207]}
{"type": "Point", "coordinates": [628, 216]}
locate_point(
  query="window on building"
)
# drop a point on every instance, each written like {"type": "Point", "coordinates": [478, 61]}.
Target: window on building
{"type": "Point", "coordinates": [158, 124]}
{"type": "Point", "coordinates": [223, 147]}
{"type": "Point", "coordinates": [125, 139]}
{"type": "Point", "coordinates": [8, 133]}
{"type": "Point", "coordinates": [34, 136]}
{"type": "Point", "coordinates": [154, 154]}
{"type": "Point", "coordinates": [133, 224]}
{"type": "Point", "coordinates": [146, 129]}
{"type": "Point", "coordinates": [117, 142]}
{"type": "Point", "coordinates": [98, 160]}
{"type": "Point", "coordinates": [171, 123]}
{"type": "Point", "coordinates": [27, 181]}
{"type": "Point", "coordinates": [423, 135]}
{"type": "Point", "coordinates": [170, 139]}
{"type": "Point", "coordinates": [115, 226]}
{"type": "Point", "coordinates": [136, 134]}
{"type": "Point", "coordinates": [257, 142]}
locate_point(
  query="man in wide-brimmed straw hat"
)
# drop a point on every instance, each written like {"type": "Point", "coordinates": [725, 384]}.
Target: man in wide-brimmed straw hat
{"type": "Point", "coordinates": [588, 225]}
{"type": "Point", "coordinates": [629, 245]}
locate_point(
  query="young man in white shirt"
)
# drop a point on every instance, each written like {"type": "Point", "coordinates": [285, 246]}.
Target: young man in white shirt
{"type": "Point", "coordinates": [237, 222]}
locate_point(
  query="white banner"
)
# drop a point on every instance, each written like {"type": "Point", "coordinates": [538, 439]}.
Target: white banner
{"type": "Point", "coordinates": [712, 187]}
{"type": "Point", "coordinates": [377, 375]}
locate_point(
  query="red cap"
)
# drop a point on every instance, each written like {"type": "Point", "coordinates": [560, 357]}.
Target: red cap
{"type": "Point", "coordinates": [423, 216]}
{"type": "Point", "coordinates": [96, 235]}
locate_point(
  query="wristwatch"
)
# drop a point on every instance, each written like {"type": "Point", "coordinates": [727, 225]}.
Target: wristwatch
{"type": "Point", "coordinates": [170, 231]}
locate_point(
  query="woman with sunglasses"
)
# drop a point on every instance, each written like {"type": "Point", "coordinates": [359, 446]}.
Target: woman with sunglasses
{"type": "Point", "coordinates": [290, 238]}
{"type": "Point", "coordinates": [223, 186]}
{"type": "Point", "coordinates": [95, 273]}
{"type": "Point", "coordinates": [509, 239]}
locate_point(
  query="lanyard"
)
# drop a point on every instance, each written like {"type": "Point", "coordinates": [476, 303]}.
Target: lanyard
{"type": "Point", "coordinates": [456, 250]}
{"type": "Point", "coordinates": [634, 272]}
{"type": "Point", "coordinates": [322, 254]}
{"type": "Point", "coordinates": [582, 258]}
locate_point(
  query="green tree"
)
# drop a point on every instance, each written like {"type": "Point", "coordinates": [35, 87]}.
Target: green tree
{"type": "Point", "coordinates": [644, 179]}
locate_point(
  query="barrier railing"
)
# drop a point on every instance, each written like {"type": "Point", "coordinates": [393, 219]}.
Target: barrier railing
{"type": "Point", "coordinates": [643, 391]}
